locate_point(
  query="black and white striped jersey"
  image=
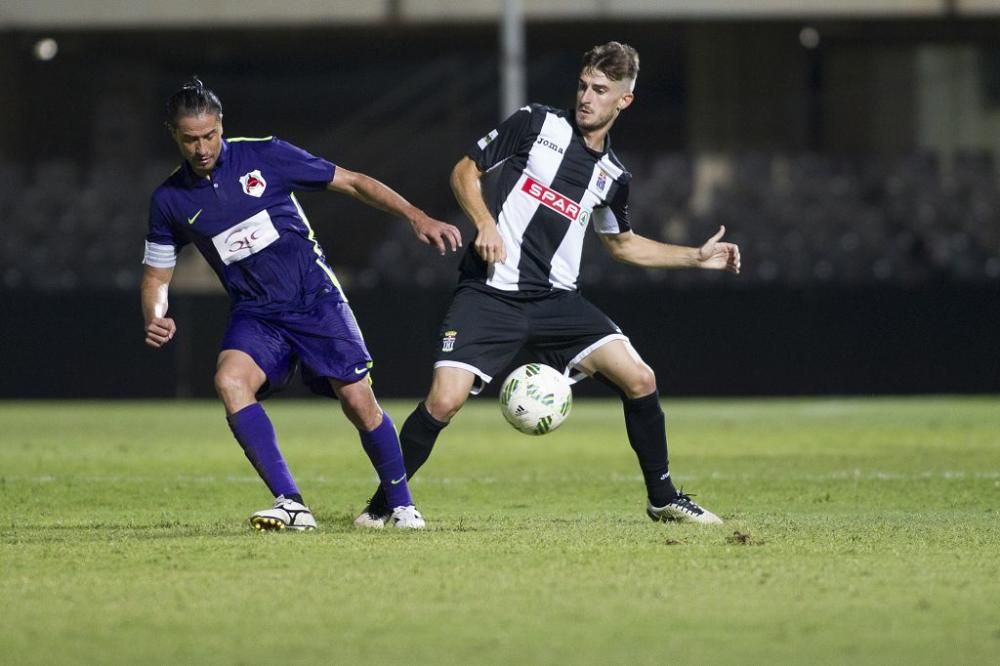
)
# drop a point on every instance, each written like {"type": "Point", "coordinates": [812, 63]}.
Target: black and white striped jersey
{"type": "Point", "coordinates": [551, 186]}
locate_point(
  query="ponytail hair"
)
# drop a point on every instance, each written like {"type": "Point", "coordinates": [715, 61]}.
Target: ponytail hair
{"type": "Point", "coordinates": [193, 99]}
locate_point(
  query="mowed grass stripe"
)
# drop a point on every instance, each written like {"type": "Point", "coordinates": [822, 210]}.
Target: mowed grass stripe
{"type": "Point", "coordinates": [861, 531]}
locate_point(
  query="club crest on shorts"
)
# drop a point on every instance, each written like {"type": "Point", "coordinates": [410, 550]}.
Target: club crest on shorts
{"type": "Point", "coordinates": [448, 341]}
{"type": "Point", "coordinates": [253, 183]}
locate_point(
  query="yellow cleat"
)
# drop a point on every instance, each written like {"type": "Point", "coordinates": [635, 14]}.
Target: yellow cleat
{"type": "Point", "coordinates": [284, 514]}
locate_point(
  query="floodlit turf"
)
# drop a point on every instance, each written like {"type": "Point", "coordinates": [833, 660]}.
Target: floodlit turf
{"type": "Point", "coordinates": [862, 531]}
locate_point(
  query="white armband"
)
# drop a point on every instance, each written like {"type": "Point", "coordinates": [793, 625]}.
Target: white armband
{"type": "Point", "coordinates": [160, 256]}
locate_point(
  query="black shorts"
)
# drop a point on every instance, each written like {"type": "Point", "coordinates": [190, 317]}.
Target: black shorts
{"type": "Point", "coordinates": [485, 328]}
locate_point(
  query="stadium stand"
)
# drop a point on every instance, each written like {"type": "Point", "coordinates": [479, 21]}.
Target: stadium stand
{"type": "Point", "coordinates": [801, 219]}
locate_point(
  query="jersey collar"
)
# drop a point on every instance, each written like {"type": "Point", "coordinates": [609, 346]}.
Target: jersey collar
{"type": "Point", "coordinates": [194, 180]}
{"type": "Point", "coordinates": [571, 117]}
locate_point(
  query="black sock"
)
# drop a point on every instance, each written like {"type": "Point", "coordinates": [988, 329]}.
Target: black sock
{"type": "Point", "coordinates": [295, 498]}
{"type": "Point", "coordinates": [416, 438]}
{"type": "Point", "coordinates": [647, 433]}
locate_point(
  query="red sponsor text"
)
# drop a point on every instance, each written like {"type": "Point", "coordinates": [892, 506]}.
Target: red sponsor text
{"type": "Point", "coordinates": [552, 199]}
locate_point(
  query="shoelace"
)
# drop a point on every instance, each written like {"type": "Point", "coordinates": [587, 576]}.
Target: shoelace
{"type": "Point", "coordinates": [280, 502]}
{"type": "Point", "coordinates": [685, 499]}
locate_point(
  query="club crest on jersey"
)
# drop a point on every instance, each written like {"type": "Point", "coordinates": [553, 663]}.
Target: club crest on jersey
{"type": "Point", "coordinates": [552, 199]}
{"type": "Point", "coordinates": [448, 341]}
{"type": "Point", "coordinates": [253, 183]}
{"type": "Point", "coordinates": [602, 180]}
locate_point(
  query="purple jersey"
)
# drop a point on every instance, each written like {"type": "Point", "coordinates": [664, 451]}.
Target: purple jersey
{"type": "Point", "coordinates": [246, 222]}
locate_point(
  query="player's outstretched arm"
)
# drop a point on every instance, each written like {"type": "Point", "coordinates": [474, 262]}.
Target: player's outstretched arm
{"type": "Point", "coordinates": [155, 284]}
{"type": "Point", "coordinates": [631, 248]}
{"type": "Point", "coordinates": [466, 183]}
{"type": "Point", "coordinates": [379, 195]}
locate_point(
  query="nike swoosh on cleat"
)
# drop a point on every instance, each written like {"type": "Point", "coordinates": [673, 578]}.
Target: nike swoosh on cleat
{"type": "Point", "coordinates": [195, 216]}
{"type": "Point", "coordinates": [398, 481]}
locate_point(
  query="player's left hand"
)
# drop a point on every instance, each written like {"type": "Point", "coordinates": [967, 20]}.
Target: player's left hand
{"type": "Point", "coordinates": [718, 255]}
{"type": "Point", "coordinates": [437, 233]}
{"type": "Point", "coordinates": [160, 331]}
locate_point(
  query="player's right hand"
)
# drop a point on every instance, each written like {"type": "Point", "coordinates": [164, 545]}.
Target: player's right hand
{"type": "Point", "coordinates": [437, 233]}
{"type": "Point", "coordinates": [489, 245]}
{"type": "Point", "coordinates": [159, 331]}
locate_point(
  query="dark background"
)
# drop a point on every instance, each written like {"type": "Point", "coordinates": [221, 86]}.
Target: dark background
{"type": "Point", "coordinates": [712, 342]}
{"type": "Point", "coordinates": [865, 205]}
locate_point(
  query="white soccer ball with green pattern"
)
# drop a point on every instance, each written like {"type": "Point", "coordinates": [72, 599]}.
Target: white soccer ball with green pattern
{"type": "Point", "coordinates": [536, 398]}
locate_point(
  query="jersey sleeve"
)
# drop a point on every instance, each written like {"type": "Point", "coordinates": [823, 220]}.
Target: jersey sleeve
{"type": "Point", "coordinates": [303, 171]}
{"type": "Point", "coordinates": [613, 218]}
{"type": "Point", "coordinates": [163, 241]}
{"type": "Point", "coordinates": [503, 142]}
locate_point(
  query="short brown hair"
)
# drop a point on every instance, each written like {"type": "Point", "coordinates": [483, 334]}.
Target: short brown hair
{"type": "Point", "coordinates": [618, 61]}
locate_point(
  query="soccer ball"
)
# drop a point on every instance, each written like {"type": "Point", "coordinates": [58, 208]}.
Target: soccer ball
{"type": "Point", "coordinates": [535, 399]}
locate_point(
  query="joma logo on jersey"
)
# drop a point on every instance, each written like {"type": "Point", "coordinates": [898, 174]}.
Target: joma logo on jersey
{"type": "Point", "coordinates": [542, 141]}
{"type": "Point", "coordinates": [552, 199]}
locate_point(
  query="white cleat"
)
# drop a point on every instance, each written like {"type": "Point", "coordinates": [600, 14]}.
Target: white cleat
{"type": "Point", "coordinates": [406, 518]}
{"type": "Point", "coordinates": [370, 520]}
{"type": "Point", "coordinates": [682, 509]}
{"type": "Point", "coordinates": [285, 514]}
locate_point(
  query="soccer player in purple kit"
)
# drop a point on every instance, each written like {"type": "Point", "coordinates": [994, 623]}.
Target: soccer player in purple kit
{"type": "Point", "coordinates": [518, 279]}
{"type": "Point", "coordinates": [234, 200]}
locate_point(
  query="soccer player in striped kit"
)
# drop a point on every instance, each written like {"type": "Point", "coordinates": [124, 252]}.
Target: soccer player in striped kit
{"type": "Point", "coordinates": [518, 279]}
{"type": "Point", "coordinates": [235, 201]}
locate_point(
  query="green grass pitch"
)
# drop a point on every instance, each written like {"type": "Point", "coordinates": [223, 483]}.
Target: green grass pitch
{"type": "Point", "coordinates": [858, 531]}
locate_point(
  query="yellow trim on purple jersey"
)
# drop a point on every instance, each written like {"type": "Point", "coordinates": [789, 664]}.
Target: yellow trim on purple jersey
{"type": "Point", "coordinates": [237, 139]}
{"type": "Point", "coordinates": [320, 259]}
{"type": "Point", "coordinates": [246, 208]}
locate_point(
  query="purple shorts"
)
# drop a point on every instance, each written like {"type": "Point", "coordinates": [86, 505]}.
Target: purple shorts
{"type": "Point", "coordinates": [325, 343]}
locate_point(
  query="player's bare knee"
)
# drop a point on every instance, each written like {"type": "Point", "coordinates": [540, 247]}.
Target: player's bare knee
{"type": "Point", "coordinates": [230, 385]}
{"type": "Point", "coordinates": [360, 407]}
{"type": "Point", "coordinates": [641, 383]}
{"type": "Point", "coordinates": [444, 407]}
{"type": "Point", "coordinates": [364, 419]}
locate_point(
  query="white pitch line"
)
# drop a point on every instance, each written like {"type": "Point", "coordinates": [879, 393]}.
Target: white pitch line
{"type": "Point", "coordinates": [839, 475]}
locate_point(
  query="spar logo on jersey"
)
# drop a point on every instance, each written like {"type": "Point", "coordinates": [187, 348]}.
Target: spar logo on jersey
{"type": "Point", "coordinates": [253, 183]}
{"type": "Point", "coordinates": [552, 199]}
